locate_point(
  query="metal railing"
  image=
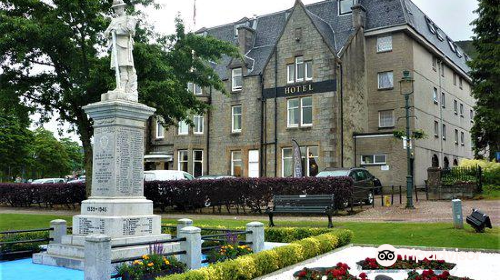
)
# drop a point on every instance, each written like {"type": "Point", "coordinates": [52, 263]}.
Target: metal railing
{"type": "Point", "coordinates": [4, 253]}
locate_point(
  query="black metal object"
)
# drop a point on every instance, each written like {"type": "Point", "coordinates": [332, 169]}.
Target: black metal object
{"type": "Point", "coordinates": [26, 241]}
{"type": "Point", "coordinates": [148, 243]}
{"type": "Point", "coordinates": [478, 220]}
{"type": "Point", "coordinates": [207, 237]}
{"type": "Point", "coordinates": [26, 230]}
{"type": "Point", "coordinates": [310, 204]}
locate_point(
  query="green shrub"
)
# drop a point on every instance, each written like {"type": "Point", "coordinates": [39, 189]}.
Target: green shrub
{"type": "Point", "coordinates": [265, 262]}
{"type": "Point", "coordinates": [287, 235]}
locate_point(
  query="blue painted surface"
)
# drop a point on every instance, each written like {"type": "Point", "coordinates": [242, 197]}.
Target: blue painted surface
{"type": "Point", "coordinates": [26, 270]}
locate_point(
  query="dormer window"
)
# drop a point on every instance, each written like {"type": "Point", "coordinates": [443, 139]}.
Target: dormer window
{"type": "Point", "coordinates": [431, 25]}
{"type": "Point", "coordinates": [345, 6]}
{"type": "Point", "coordinates": [440, 35]}
{"type": "Point", "coordinates": [236, 79]}
{"type": "Point", "coordinates": [452, 45]}
{"type": "Point", "coordinates": [194, 88]}
{"type": "Point", "coordinates": [238, 25]}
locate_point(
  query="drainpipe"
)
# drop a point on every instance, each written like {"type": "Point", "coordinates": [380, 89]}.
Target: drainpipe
{"type": "Point", "coordinates": [342, 117]}
{"type": "Point", "coordinates": [275, 111]}
{"type": "Point", "coordinates": [440, 112]}
{"type": "Point", "coordinates": [208, 131]}
{"type": "Point", "coordinates": [262, 103]}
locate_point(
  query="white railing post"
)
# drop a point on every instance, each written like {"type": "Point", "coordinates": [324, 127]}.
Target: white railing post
{"type": "Point", "coordinates": [59, 230]}
{"type": "Point", "coordinates": [182, 223]}
{"type": "Point", "coordinates": [97, 263]}
{"type": "Point", "coordinates": [256, 237]}
{"type": "Point", "coordinates": [192, 246]}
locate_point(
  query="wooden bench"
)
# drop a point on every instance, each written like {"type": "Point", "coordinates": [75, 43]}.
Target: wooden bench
{"type": "Point", "coordinates": [302, 204]}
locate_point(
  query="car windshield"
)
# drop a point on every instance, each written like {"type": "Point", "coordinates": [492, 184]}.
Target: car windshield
{"type": "Point", "coordinates": [39, 181]}
{"type": "Point", "coordinates": [334, 173]}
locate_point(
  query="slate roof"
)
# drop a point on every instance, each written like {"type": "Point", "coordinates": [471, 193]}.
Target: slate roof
{"type": "Point", "coordinates": [335, 28]}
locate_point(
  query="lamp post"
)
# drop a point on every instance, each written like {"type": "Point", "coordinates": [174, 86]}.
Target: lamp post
{"type": "Point", "coordinates": [406, 89]}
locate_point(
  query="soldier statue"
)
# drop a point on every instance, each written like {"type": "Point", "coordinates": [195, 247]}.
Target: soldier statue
{"type": "Point", "coordinates": [121, 32]}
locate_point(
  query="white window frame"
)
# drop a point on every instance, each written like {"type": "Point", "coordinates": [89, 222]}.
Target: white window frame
{"type": "Point", "coordinates": [443, 131]}
{"type": "Point", "coordinates": [195, 87]}
{"type": "Point", "coordinates": [392, 78]}
{"type": "Point", "coordinates": [436, 129]}
{"type": "Point", "coordinates": [160, 132]}
{"type": "Point", "coordinates": [198, 161]}
{"type": "Point", "coordinates": [235, 87]}
{"type": "Point", "coordinates": [302, 106]}
{"type": "Point", "coordinates": [233, 116]}
{"type": "Point", "coordinates": [307, 157]}
{"type": "Point", "coordinates": [379, 119]}
{"type": "Point", "coordinates": [443, 100]}
{"type": "Point", "coordinates": [299, 62]}
{"type": "Point", "coordinates": [462, 138]}
{"type": "Point", "coordinates": [288, 108]}
{"type": "Point", "coordinates": [181, 125]}
{"type": "Point", "coordinates": [283, 160]}
{"type": "Point", "coordinates": [456, 136]}
{"type": "Point", "coordinates": [199, 124]}
{"type": "Point", "coordinates": [435, 95]}
{"type": "Point", "coordinates": [179, 161]}
{"type": "Point", "coordinates": [345, 13]}
{"type": "Point", "coordinates": [373, 159]}
{"type": "Point", "coordinates": [380, 46]}
{"type": "Point", "coordinates": [290, 79]}
{"type": "Point", "coordinates": [233, 161]}
{"type": "Point", "coordinates": [308, 69]}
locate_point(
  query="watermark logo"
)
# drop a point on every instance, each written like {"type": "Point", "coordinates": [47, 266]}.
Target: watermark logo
{"type": "Point", "coordinates": [386, 255]}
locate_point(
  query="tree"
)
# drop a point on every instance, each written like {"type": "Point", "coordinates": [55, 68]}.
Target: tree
{"type": "Point", "coordinates": [14, 144]}
{"type": "Point", "coordinates": [486, 78]}
{"type": "Point", "coordinates": [50, 156]}
{"type": "Point", "coordinates": [75, 154]}
{"type": "Point", "coordinates": [63, 41]}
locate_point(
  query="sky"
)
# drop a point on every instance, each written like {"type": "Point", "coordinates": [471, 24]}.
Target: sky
{"type": "Point", "coordinates": [452, 16]}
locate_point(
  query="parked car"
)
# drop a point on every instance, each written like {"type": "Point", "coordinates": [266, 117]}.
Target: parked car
{"type": "Point", "coordinates": [214, 177]}
{"type": "Point", "coordinates": [166, 175]}
{"type": "Point", "coordinates": [49, 181]}
{"type": "Point", "coordinates": [365, 184]}
{"type": "Point", "coordinates": [82, 180]}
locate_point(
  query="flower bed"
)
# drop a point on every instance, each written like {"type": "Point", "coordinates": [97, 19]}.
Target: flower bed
{"type": "Point", "coordinates": [228, 252]}
{"type": "Point", "coordinates": [338, 272]}
{"type": "Point", "coordinates": [265, 262]}
{"type": "Point", "coordinates": [431, 275]}
{"type": "Point", "coordinates": [151, 267]}
{"type": "Point", "coordinates": [404, 263]}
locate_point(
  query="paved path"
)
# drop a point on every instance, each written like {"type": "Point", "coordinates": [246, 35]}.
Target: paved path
{"type": "Point", "coordinates": [424, 212]}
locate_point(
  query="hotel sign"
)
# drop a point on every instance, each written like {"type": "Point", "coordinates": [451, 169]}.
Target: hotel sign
{"type": "Point", "coordinates": [301, 89]}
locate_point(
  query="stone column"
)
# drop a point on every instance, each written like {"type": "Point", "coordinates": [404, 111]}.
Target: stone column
{"type": "Point", "coordinates": [256, 237]}
{"type": "Point", "coordinates": [192, 246]}
{"type": "Point", "coordinates": [182, 223]}
{"type": "Point", "coordinates": [59, 230]}
{"type": "Point", "coordinates": [434, 182]}
{"type": "Point", "coordinates": [97, 264]}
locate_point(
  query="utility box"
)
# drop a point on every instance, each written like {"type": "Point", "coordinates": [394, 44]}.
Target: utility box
{"type": "Point", "coordinates": [458, 219]}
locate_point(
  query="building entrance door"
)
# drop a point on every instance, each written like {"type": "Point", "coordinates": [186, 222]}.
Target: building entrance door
{"type": "Point", "coordinates": [253, 163]}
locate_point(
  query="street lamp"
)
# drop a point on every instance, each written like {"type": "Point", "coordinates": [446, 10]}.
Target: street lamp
{"type": "Point", "coordinates": [406, 89]}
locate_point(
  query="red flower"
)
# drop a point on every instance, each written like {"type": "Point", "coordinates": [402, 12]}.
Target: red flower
{"type": "Point", "coordinates": [434, 278]}
{"type": "Point", "coordinates": [362, 275]}
{"type": "Point", "coordinates": [400, 258]}
{"type": "Point", "coordinates": [302, 273]}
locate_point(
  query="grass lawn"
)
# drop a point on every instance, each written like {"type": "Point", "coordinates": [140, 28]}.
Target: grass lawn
{"type": "Point", "coordinates": [411, 234]}
{"type": "Point", "coordinates": [490, 192]}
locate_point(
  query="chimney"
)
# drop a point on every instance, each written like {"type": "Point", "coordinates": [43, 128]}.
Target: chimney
{"type": "Point", "coordinates": [246, 36]}
{"type": "Point", "coordinates": [358, 15]}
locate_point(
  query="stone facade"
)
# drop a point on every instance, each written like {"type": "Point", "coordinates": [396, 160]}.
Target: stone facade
{"type": "Point", "coordinates": [346, 101]}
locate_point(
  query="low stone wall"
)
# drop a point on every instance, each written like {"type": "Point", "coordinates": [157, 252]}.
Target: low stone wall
{"type": "Point", "coordinates": [437, 191]}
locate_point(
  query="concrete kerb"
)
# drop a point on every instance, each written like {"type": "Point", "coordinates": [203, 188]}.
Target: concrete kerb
{"type": "Point", "coordinates": [97, 263]}
{"type": "Point", "coordinates": [59, 229]}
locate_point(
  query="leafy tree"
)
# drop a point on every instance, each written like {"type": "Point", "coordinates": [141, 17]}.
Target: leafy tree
{"type": "Point", "coordinates": [486, 78]}
{"type": "Point", "coordinates": [75, 153]}
{"type": "Point", "coordinates": [14, 144]}
{"type": "Point", "coordinates": [53, 57]}
{"type": "Point", "coordinates": [50, 156]}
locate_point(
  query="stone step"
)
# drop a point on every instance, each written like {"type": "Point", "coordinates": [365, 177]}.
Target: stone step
{"type": "Point", "coordinates": [61, 261]}
{"type": "Point", "coordinates": [78, 240]}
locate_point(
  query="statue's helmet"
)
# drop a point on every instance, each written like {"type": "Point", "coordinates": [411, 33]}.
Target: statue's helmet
{"type": "Point", "coordinates": [118, 3]}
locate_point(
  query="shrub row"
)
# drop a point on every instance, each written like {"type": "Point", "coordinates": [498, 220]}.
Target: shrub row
{"type": "Point", "coordinates": [254, 193]}
{"type": "Point", "coordinates": [25, 195]}
{"type": "Point", "coordinates": [265, 262]}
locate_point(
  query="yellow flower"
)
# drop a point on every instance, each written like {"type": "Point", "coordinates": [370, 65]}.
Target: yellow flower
{"type": "Point", "coordinates": [137, 262]}
{"type": "Point", "coordinates": [146, 257]}
{"type": "Point", "coordinates": [167, 262]}
{"type": "Point", "coordinates": [150, 264]}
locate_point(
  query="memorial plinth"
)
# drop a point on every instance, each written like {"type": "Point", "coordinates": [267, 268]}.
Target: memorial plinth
{"type": "Point", "coordinates": [117, 207]}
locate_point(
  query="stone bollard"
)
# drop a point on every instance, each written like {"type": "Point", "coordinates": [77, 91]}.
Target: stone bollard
{"type": "Point", "coordinates": [182, 223]}
{"type": "Point", "coordinates": [59, 230]}
{"type": "Point", "coordinates": [458, 218]}
{"type": "Point", "coordinates": [192, 246]}
{"type": "Point", "coordinates": [256, 237]}
{"type": "Point", "coordinates": [97, 263]}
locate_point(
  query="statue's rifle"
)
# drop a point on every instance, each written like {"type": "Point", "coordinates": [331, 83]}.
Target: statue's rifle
{"type": "Point", "coordinates": [115, 54]}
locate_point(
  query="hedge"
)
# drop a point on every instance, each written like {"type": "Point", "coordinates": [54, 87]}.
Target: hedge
{"type": "Point", "coordinates": [265, 262]}
{"type": "Point", "coordinates": [254, 193]}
